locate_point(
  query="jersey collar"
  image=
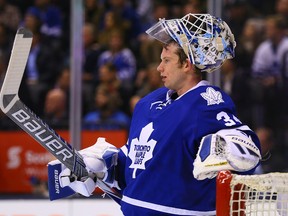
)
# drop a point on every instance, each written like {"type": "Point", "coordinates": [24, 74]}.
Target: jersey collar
{"type": "Point", "coordinates": [171, 92]}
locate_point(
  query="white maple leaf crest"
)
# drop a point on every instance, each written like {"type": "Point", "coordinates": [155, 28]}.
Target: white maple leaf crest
{"type": "Point", "coordinates": [212, 96]}
{"type": "Point", "coordinates": [141, 150]}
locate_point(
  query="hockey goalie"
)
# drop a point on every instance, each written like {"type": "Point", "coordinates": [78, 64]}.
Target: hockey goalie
{"type": "Point", "coordinates": [181, 135]}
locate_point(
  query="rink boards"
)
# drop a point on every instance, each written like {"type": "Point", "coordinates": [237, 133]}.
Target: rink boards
{"type": "Point", "coordinates": [75, 207]}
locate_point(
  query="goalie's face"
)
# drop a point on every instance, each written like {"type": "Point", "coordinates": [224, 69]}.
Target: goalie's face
{"type": "Point", "coordinates": [174, 74]}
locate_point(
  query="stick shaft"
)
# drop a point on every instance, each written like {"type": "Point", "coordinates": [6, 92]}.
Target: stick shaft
{"type": "Point", "coordinates": [18, 112]}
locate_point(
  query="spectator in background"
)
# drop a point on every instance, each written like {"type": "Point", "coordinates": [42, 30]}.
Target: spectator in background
{"type": "Point", "coordinates": [267, 74]}
{"type": "Point", "coordinates": [237, 13]}
{"type": "Point", "coordinates": [43, 65]}
{"type": "Point", "coordinates": [194, 6]}
{"type": "Point", "coordinates": [281, 8]}
{"type": "Point", "coordinates": [106, 114]}
{"type": "Point", "coordinates": [235, 82]}
{"type": "Point", "coordinates": [144, 9]}
{"type": "Point", "coordinates": [5, 42]}
{"type": "Point", "coordinates": [32, 21]}
{"type": "Point", "coordinates": [110, 23]}
{"type": "Point", "coordinates": [10, 16]}
{"type": "Point", "coordinates": [63, 80]}
{"type": "Point", "coordinates": [108, 78]}
{"type": "Point", "coordinates": [149, 80]}
{"type": "Point", "coordinates": [3, 66]}
{"type": "Point", "coordinates": [265, 136]}
{"type": "Point", "coordinates": [63, 83]}
{"type": "Point", "coordinates": [91, 52]}
{"type": "Point", "coordinates": [55, 110]}
{"type": "Point", "coordinates": [94, 12]}
{"type": "Point", "coordinates": [50, 17]}
{"type": "Point", "coordinates": [159, 10]}
{"type": "Point", "coordinates": [132, 102]}
{"type": "Point", "coordinates": [227, 76]}
{"type": "Point", "coordinates": [150, 49]}
{"type": "Point", "coordinates": [273, 154]}
{"type": "Point", "coordinates": [249, 40]}
{"type": "Point", "coordinates": [122, 57]}
{"type": "Point", "coordinates": [127, 15]}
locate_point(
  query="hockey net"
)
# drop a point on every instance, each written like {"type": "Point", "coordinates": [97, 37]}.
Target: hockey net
{"type": "Point", "coordinates": [253, 195]}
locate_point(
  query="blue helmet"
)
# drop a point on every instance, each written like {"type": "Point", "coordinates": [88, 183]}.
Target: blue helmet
{"type": "Point", "coordinates": [206, 40]}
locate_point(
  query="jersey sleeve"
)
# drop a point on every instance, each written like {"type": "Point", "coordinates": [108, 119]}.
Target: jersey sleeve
{"type": "Point", "coordinates": [215, 111]}
{"type": "Point", "coordinates": [120, 168]}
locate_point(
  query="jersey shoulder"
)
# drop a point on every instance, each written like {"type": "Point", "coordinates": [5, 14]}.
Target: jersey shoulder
{"type": "Point", "coordinates": [159, 94]}
{"type": "Point", "coordinates": [209, 96]}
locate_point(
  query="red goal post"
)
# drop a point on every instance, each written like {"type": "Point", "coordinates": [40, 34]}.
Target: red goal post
{"type": "Point", "coordinates": [253, 195]}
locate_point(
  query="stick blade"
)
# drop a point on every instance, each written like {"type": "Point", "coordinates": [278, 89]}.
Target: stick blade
{"type": "Point", "coordinates": [16, 67]}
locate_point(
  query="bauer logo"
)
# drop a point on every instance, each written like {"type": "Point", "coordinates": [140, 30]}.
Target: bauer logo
{"type": "Point", "coordinates": [56, 181]}
{"type": "Point", "coordinates": [37, 129]}
{"type": "Point", "coordinates": [141, 149]}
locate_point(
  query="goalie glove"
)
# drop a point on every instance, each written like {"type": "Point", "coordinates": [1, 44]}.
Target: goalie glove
{"type": "Point", "coordinates": [228, 149]}
{"type": "Point", "coordinates": [100, 160]}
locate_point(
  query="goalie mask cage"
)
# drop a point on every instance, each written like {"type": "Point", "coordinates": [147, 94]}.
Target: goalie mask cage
{"type": "Point", "coordinates": [253, 195]}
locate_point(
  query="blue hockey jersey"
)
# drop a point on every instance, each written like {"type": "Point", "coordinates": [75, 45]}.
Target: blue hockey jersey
{"type": "Point", "coordinates": [157, 161]}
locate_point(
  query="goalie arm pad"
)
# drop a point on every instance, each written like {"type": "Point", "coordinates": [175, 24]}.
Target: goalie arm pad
{"type": "Point", "coordinates": [100, 160]}
{"type": "Point", "coordinates": [228, 149]}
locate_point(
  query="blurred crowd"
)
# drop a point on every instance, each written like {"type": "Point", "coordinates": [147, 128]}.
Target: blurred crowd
{"type": "Point", "coordinates": [120, 61]}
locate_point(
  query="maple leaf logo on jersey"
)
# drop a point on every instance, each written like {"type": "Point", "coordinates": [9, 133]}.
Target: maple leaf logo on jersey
{"type": "Point", "coordinates": [212, 96]}
{"type": "Point", "coordinates": [141, 150]}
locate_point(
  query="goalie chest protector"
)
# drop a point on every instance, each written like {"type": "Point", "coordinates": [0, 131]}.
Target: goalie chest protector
{"type": "Point", "coordinates": [163, 142]}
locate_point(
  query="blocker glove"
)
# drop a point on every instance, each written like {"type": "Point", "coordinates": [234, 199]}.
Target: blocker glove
{"type": "Point", "coordinates": [100, 160]}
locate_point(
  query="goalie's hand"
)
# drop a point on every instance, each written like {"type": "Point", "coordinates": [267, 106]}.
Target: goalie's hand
{"type": "Point", "coordinates": [84, 186]}
{"type": "Point", "coordinates": [226, 150]}
{"type": "Point", "coordinates": [100, 160]}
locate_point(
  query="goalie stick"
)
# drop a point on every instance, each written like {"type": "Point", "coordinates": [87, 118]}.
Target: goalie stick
{"type": "Point", "coordinates": [18, 112]}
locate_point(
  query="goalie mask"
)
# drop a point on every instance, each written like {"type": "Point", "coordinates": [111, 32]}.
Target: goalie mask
{"type": "Point", "coordinates": [206, 40]}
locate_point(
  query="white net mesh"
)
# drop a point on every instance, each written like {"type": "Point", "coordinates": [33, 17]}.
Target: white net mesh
{"type": "Point", "coordinates": [265, 194]}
